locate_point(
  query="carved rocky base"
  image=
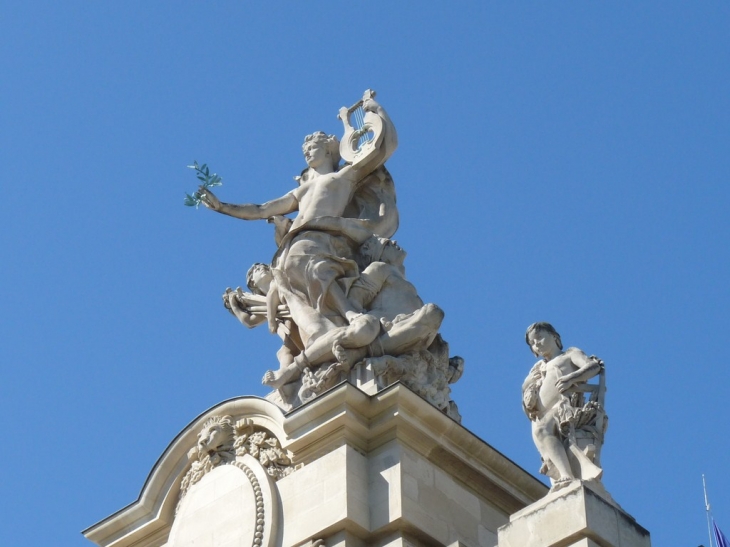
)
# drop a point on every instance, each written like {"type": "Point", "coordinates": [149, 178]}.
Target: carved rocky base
{"type": "Point", "coordinates": [580, 515]}
{"type": "Point", "coordinates": [428, 373]}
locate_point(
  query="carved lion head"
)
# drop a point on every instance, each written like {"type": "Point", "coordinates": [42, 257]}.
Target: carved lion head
{"type": "Point", "coordinates": [216, 436]}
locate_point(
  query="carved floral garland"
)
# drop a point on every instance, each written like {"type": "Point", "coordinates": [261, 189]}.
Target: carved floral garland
{"type": "Point", "coordinates": [220, 443]}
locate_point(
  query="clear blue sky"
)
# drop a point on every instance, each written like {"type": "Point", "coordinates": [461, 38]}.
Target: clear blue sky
{"type": "Point", "coordinates": [565, 162]}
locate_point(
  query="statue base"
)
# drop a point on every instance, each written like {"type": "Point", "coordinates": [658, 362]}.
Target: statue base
{"type": "Point", "coordinates": [381, 469]}
{"type": "Point", "coordinates": [420, 373]}
{"type": "Point", "coordinates": [580, 515]}
{"type": "Point", "coordinates": [351, 469]}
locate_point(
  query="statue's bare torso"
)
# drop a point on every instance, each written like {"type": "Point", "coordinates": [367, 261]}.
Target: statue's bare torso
{"type": "Point", "coordinates": [324, 196]}
{"type": "Point", "coordinates": [549, 395]}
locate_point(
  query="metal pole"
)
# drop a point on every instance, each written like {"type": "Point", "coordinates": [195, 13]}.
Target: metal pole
{"type": "Point", "coordinates": [707, 510]}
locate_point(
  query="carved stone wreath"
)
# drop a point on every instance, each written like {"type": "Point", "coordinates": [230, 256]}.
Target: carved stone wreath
{"type": "Point", "coordinates": [220, 442]}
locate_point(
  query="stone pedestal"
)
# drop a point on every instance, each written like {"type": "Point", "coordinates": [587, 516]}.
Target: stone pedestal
{"type": "Point", "coordinates": [580, 515]}
{"type": "Point", "coordinates": [352, 469]}
{"type": "Point", "coordinates": [381, 469]}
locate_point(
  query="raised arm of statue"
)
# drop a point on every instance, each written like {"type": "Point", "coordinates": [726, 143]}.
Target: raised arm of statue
{"type": "Point", "coordinates": [249, 211]}
{"type": "Point", "coordinates": [372, 139]}
{"type": "Point", "coordinates": [390, 135]}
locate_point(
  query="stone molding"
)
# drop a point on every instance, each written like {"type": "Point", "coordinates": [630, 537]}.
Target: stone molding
{"type": "Point", "coordinates": [349, 416]}
{"type": "Point", "coordinates": [236, 504]}
{"type": "Point", "coordinates": [258, 496]}
{"type": "Point", "coordinates": [234, 441]}
{"type": "Point", "coordinates": [580, 514]}
{"type": "Point", "coordinates": [342, 416]}
{"type": "Point", "coordinates": [151, 515]}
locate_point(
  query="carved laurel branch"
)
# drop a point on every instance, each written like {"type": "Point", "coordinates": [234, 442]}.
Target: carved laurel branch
{"type": "Point", "coordinates": [263, 446]}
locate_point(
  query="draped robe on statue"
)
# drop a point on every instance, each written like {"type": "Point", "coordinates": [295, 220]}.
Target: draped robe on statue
{"type": "Point", "coordinates": [310, 258]}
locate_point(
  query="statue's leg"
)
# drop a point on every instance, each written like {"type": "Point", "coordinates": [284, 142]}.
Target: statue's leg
{"type": "Point", "coordinates": [348, 357]}
{"type": "Point", "coordinates": [324, 291]}
{"type": "Point", "coordinates": [320, 350]}
{"type": "Point", "coordinates": [416, 331]}
{"type": "Point", "coordinates": [351, 345]}
{"type": "Point", "coordinates": [551, 446]}
{"type": "Point", "coordinates": [311, 324]}
{"type": "Point", "coordinates": [277, 378]}
{"type": "Point", "coordinates": [285, 357]}
{"type": "Point", "coordinates": [363, 330]}
{"type": "Point", "coordinates": [341, 304]}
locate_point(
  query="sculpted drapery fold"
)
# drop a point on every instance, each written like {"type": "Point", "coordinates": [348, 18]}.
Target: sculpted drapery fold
{"type": "Point", "coordinates": [338, 242]}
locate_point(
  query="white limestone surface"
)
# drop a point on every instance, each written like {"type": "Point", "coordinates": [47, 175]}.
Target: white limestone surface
{"type": "Point", "coordinates": [574, 516]}
{"type": "Point", "coordinates": [360, 470]}
{"type": "Point", "coordinates": [232, 505]}
{"type": "Point", "coordinates": [219, 511]}
{"type": "Point", "coordinates": [327, 494]}
{"type": "Point", "coordinates": [405, 485]}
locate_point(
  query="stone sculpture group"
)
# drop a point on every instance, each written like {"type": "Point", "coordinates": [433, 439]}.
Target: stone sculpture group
{"type": "Point", "coordinates": [336, 294]}
{"type": "Point", "coordinates": [370, 468]}
{"type": "Point", "coordinates": [335, 291]}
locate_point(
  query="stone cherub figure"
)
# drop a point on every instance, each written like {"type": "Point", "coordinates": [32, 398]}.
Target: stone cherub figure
{"type": "Point", "coordinates": [260, 282]}
{"type": "Point", "coordinates": [568, 431]}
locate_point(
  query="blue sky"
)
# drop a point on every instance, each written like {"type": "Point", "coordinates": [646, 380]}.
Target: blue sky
{"type": "Point", "coordinates": [564, 162]}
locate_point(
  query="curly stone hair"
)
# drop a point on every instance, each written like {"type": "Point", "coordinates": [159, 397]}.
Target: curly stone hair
{"type": "Point", "coordinates": [547, 327]}
{"type": "Point", "coordinates": [331, 144]}
{"type": "Point", "coordinates": [371, 251]}
{"type": "Point", "coordinates": [249, 278]}
{"type": "Point", "coordinates": [225, 424]}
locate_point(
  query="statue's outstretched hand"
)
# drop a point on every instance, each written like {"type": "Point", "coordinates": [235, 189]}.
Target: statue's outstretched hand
{"type": "Point", "coordinates": [209, 199]}
{"type": "Point", "coordinates": [370, 105]}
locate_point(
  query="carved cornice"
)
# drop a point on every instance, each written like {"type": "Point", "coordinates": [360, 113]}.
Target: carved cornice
{"type": "Point", "coordinates": [152, 514]}
{"type": "Point", "coordinates": [342, 416]}
{"type": "Point", "coordinates": [346, 415]}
